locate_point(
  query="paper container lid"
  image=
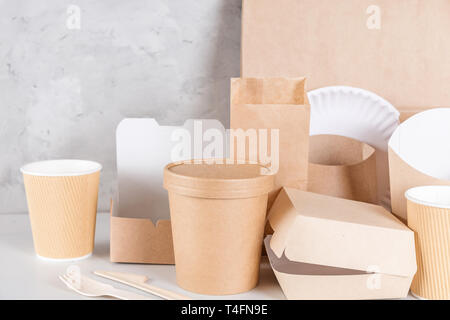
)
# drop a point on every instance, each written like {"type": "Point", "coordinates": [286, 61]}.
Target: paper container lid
{"type": "Point", "coordinates": [328, 231]}
{"type": "Point", "coordinates": [218, 180]}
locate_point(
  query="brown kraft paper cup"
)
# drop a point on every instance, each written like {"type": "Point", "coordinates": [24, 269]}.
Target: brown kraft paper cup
{"type": "Point", "coordinates": [218, 216]}
{"type": "Point", "coordinates": [428, 210]}
{"type": "Point", "coordinates": [62, 202]}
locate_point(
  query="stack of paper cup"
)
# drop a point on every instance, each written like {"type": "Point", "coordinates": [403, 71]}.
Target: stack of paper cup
{"type": "Point", "coordinates": [62, 202]}
{"type": "Point", "coordinates": [428, 210]}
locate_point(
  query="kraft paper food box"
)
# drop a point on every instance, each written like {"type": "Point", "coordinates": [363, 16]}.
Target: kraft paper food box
{"type": "Point", "coordinates": [330, 248]}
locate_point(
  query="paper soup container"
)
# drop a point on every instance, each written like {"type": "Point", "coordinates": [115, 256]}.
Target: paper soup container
{"type": "Point", "coordinates": [428, 211]}
{"type": "Point", "coordinates": [62, 203]}
{"type": "Point", "coordinates": [218, 215]}
{"type": "Point", "coordinates": [342, 167]}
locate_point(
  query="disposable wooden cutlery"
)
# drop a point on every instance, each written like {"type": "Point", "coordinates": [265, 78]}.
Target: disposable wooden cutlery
{"type": "Point", "coordinates": [139, 282]}
{"type": "Point", "coordinates": [92, 288]}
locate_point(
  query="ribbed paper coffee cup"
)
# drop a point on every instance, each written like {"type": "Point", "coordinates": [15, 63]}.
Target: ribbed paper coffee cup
{"type": "Point", "coordinates": [62, 203]}
{"type": "Point", "coordinates": [428, 210]}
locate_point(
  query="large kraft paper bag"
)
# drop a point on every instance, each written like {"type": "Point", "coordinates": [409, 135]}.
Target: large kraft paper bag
{"type": "Point", "coordinates": [397, 49]}
{"type": "Point", "coordinates": [279, 105]}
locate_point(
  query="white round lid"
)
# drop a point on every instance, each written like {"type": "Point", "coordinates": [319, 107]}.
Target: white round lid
{"type": "Point", "coordinates": [64, 167]}
{"type": "Point", "coordinates": [433, 196]}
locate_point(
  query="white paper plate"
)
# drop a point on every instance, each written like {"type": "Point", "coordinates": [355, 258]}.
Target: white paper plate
{"type": "Point", "coordinates": [357, 114]}
{"type": "Point", "coordinates": [422, 142]}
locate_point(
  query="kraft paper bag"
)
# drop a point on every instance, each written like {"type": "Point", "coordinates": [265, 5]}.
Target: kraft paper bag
{"type": "Point", "coordinates": [342, 167]}
{"type": "Point", "coordinates": [387, 47]}
{"type": "Point", "coordinates": [279, 105]}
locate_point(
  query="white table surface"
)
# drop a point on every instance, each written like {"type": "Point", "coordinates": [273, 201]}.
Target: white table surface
{"type": "Point", "coordinates": [25, 276]}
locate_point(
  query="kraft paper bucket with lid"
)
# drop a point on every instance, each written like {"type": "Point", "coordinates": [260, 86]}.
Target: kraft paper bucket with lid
{"type": "Point", "coordinates": [218, 215]}
{"type": "Point", "coordinates": [62, 203]}
{"type": "Point", "coordinates": [428, 212]}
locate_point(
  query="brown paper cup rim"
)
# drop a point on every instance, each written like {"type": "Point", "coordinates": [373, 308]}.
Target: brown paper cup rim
{"type": "Point", "coordinates": [61, 168]}
{"type": "Point", "coordinates": [431, 196]}
{"type": "Point", "coordinates": [216, 184]}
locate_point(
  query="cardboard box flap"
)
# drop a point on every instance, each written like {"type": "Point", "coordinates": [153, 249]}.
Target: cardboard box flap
{"type": "Point", "coordinates": [300, 281]}
{"type": "Point", "coordinates": [283, 264]}
{"type": "Point", "coordinates": [327, 231]}
{"type": "Point", "coordinates": [419, 154]}
{"type": "Point", "coordinates": [135, 240]}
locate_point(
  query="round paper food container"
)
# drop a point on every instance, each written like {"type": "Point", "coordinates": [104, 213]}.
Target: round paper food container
{"type": "Point", "coordinates": [62, 203]}
{"type": "Point", "coordinates": [218, 213]}
{"type": "Point", "coordinates": [428, 210]}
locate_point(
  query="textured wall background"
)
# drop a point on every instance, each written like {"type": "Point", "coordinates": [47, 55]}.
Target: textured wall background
{"type": "Point", "coordinates": [63, 90]}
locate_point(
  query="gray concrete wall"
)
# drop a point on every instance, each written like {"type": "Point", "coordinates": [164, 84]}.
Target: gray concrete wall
{"type": "Point", "coordinates": [71, 70]}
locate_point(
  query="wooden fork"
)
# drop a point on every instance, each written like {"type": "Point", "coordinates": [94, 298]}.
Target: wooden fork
{"type": "Point", "coordinates": [92, 288]}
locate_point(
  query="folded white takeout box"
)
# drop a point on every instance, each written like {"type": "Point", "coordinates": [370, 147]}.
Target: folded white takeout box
{"type": "Point", "coordinates": [140, 225]}
{"type": "Point", "coordinates": [331, 248]}
{"type": "Point", "coordinates": [419, 155]}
